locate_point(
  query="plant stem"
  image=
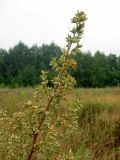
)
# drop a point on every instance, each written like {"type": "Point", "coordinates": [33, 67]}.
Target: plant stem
{"type": "Point", "coordinates": [35, 136]}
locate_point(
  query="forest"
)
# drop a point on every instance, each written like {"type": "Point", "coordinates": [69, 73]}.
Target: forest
{"type": "Point", "coordinates": [21, 66]}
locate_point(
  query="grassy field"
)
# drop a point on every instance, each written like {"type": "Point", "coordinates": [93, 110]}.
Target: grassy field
{"type": "Point", "coordinates": [99, 119]}
{"type": "Point", "coordinates": [13, 99]}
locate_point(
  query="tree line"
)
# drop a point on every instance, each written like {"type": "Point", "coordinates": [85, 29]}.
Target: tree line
{"type": "Point", "coordinates": [21, 66]}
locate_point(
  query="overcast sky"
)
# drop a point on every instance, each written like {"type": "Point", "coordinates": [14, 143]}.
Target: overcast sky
{"type": "Point", "coordinates": [44, 21]}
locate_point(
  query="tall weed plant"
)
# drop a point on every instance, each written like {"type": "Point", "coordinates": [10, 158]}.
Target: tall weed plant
{"type": "Point", "coordinates": [43, 130]}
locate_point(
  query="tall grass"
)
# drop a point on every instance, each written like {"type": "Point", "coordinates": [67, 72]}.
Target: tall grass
{"type": "Point", "coordinates": [12, 99]}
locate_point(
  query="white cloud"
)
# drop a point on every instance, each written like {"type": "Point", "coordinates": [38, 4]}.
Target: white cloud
{"type": "Point", "coordinates": [38, 21]}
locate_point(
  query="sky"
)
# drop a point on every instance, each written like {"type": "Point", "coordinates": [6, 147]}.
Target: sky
{"type": "Point", "coordinates": [46, 21]}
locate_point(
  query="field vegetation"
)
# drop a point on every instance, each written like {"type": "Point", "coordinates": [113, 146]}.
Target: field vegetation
{"type": "Point", "coordinates": [13, 99]}
{"type": "Point", "coordinates": [99, 119]}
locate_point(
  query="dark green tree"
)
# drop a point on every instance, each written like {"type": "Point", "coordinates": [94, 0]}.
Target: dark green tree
{"type": "Point", "coordinates": [100, 70]}
{"type": "Point", "coordinates": [3, 66]}
{"type": "Point", "coordinates": [113, 73]}
{"type": "Point", "coordinates": [27, 76]}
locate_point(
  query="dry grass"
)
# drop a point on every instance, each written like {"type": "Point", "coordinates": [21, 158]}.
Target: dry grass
{"type": "Point", "coordinates": [103, 95]}
{"type": "Point", "coordinates": [13, 99]}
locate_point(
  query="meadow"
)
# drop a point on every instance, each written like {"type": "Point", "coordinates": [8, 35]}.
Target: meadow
{"type": "Point", "coordinates": [99, 119]}
{"type": "Point", "coordinates": [13, 99]}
